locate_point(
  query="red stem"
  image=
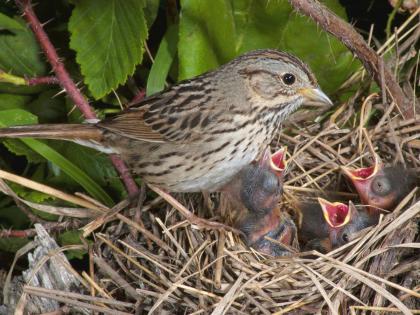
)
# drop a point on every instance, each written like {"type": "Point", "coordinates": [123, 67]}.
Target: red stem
{"type": "Point", "coordinates": [129, 182]}
{"type": "Point", "coordinates": [42, 80]}
{"type": "Point", "coordinates": [138, 97]}
{"type": "Point", "coordinates": [49, 226]}
{"type": "Point", "coordinates": [69, 86]}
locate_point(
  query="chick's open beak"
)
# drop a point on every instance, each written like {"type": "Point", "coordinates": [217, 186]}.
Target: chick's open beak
{"type": "Point", "coordinates": [315, 95]}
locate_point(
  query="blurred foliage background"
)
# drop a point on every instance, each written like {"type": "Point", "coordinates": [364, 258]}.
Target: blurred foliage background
{"type": "Point", "coordinates": [118, 48]}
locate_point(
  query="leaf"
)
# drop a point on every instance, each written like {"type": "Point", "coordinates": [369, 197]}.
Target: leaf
{"type": "Point", "coordinates": [260, 24]}
{"type": "Point", "coordinates": [96, 165]}
{"type": "Point", "coordinates": [108, 37]}
{"type": "Point", "coordinates": [163, 61]}
{"type": "Point", "coordinates": [20, 53]}
{"type": "Point", "coordinates": [13, 101]}
{"type": "Point", "coordinates": [319, 49]}
{"type": "Point", "coordinates": [72, 238]}
{"type": "Point", "coordinates": [206, 36]}
{"type": "Point", "coordinates": [16, 117]}
{"type": "Point", "coordinates": [7, 23]}
{"type": "Point", "coordinates": [47, 107]}
{"type": "Point", "coordinates": [70, 169]}
{"type": "Point", "coordinates": [150, 11]}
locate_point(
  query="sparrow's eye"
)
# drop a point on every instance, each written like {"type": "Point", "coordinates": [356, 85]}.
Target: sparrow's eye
{"type": "Point", "coordinates": [288, 78]}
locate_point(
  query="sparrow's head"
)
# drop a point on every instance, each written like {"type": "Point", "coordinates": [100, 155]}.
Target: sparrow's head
{"type": "Point", "coordinates": [277, 81]}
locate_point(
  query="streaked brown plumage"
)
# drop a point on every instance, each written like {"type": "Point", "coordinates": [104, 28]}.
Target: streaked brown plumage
{"type": "Point", "coordinates": [198, 134]}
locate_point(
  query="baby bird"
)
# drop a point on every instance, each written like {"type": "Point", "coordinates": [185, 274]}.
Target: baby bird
{"type": "Point", "coordinates": [257, 191]}
{"type": "Point", "coordinates": [380, 187]}
{"type": "Point", "coordinates": [326, 225]}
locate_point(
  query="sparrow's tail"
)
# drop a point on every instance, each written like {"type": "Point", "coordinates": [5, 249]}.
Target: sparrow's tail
{"type": "Point", "coordinates": [72, 132]}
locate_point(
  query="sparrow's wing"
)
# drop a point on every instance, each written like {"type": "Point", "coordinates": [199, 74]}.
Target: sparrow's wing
{"type": "Point", "coordinates": [181, 114]}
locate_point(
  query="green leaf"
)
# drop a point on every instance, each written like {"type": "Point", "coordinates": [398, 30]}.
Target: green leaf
{"type": "Point", "coordinates": [70, 169]}
{"type": "Point", "coordinates": [16, 117]}
{"type": "Point", "coordinates": [20, 53]}
{"type": "Point", "coordinates": [72, 238]}
{"type": "Point", "coordinates": [13, 217]}
{"type": "Point", "coordinates": [163, 61]}
{"type": "Point", "coordinates": [260, 24]}
{"type": "Point", "coordinates": [206, 36]}
{"type": "Point", "coordinates": [48, 107]}
{"type": "Point", "coordinates": [319, 49]}
{"type": "Point", "coordinates": [7, 23]}
{"type": "Point", "coordinates": [108, 37]}
{"type": "Point", "coordinates": [150, 11]}
{"type": "Point", "coordinates": [13, 101]}
{"type": "Point", "coordinates": [96, 165]}
{"type": "Point", "coordinates": [21, 117]}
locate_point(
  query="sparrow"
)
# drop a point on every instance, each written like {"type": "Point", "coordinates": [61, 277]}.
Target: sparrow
{"type": "Point", "coordinates": [198, 134]}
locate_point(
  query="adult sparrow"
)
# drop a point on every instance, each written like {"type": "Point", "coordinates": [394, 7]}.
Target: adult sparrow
{"type": "Point", "coordinates": [197, 134]}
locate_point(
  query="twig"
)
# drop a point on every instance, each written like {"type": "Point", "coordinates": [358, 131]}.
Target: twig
{"type": "Point", "coordinates": [17, 80]}
{"type": "Point", "coordinates": [49, 226]}
{"type": "Point", "coordinates": [42, 80]}
{"type": "Point", "coordinates": [331, 23]}
{"type": "Point", "coordinates": [138, 97]}
{"type": "Point", "coordinates": [68, 84]}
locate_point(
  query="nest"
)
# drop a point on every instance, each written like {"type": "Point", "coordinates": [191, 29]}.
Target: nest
{"type": "Point", "coordinates": [169, 266]}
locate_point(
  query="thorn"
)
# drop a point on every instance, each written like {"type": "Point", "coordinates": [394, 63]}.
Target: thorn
{"type": "Point", "coordinates": [71, 110]}
{"type": "Point", "coordinates": [59, 93]}
{"type": "Point", "coordinates": [46, 22]}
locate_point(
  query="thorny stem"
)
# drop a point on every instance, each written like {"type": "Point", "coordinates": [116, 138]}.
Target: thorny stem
{"type": "Point", "coordinates": [68, 85]}
{"type": "Point", "coordinates": [334, 25]}
{"type": "Point", "coordinates": [42, 80]}
{"type": "Point", "coordinates": [16, 80]}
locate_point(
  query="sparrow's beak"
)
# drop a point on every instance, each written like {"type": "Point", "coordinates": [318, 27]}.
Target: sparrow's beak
{"type": "Point", "coordinates": [315, 95]}
{"type": "Point", "coordinates": [336, 214]}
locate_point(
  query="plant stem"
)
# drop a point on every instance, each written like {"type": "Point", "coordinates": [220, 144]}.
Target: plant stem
{"type": "Point", "coordinates": [68, 84]}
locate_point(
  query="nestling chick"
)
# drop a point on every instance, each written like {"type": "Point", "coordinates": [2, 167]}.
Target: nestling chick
{"type": "Point", "coordinates": [380, 187]}
{"type": "Point", "coordinates": [257, 191]}
{"type": "Point", "coordinates": [329, 225]}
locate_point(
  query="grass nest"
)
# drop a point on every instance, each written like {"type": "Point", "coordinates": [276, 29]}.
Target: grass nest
{"type": "Point", "coordinates": [163, 264]}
